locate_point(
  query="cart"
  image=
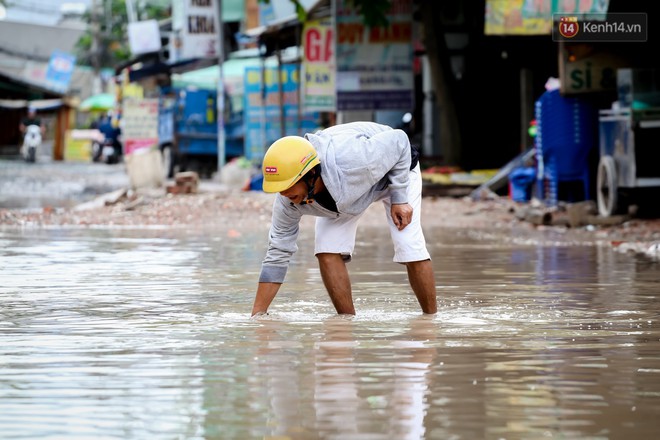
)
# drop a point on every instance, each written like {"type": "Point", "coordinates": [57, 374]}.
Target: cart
{"type": "Point", "coordinates": [629, 143]}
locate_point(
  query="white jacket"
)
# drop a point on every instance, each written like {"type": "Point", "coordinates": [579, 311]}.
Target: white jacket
{"type": "Point", "coordinates": [358, 160]}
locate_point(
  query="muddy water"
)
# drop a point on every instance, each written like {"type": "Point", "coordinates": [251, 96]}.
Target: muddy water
{"type": "Point", "coordinates": [48, 183]}
{"type": "Point", "coordinates": [145, 334]}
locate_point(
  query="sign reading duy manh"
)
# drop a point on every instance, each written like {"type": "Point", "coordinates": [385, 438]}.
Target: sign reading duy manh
{"type": "Point", "coordinates": [374, 65]}
{"type": "Point", "coordinates": [199, 35]}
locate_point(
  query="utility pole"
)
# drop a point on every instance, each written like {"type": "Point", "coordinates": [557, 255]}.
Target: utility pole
{"type": "Point", "coordinates": [97, 85]}
{"type": "Point", "coordinates": [130, 11]}
{"type": "Point", "coordinates": [221, 90]}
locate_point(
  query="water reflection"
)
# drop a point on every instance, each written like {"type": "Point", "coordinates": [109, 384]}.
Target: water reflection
{"type": "Point", "coordinates": [145, 334]}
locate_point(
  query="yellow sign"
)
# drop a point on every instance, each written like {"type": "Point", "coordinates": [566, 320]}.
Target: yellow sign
{"type": "Point", "coordinates": [77, 148]}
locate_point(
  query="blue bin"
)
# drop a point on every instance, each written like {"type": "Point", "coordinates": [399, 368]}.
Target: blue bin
{"type": "Point", "coordinates": [520, 183]}
{"type": "Point", "coordinates": [567, 131]}
{"type": "Point", "coordinates": [256, 182]}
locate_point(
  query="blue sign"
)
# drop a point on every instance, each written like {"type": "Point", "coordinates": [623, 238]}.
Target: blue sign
{"type": "Point", "coordinates": [60, 69]}
{"type": "Point", "coordinates": [263, 108]}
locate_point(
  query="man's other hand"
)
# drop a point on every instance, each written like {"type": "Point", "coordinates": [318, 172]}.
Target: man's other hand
{"type": "Point", "coordinates": [401, 215]}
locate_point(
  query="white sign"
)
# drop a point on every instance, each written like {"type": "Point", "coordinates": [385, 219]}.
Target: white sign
{"type": "Point", "coordinates": [139, 124]}
{"type": "Point", "coordinates": [199, 36]}
{"type": "Point", "coordinates": [144, 37]}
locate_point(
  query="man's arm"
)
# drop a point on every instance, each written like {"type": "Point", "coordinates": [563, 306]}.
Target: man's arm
{"type": "Point", "coordinates": [265, 294]}
{"type": "Point", "coordinates": [281, 246]}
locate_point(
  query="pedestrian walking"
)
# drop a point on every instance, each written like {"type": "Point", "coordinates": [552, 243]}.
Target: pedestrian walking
{"type": "Point", "coordinates": [335, 174]}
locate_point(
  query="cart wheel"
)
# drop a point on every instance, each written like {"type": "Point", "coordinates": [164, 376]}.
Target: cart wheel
{"type": "Point", "coordinates": [607, 187]}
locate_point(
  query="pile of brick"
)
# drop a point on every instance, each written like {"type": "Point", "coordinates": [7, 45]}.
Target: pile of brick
{"type": "Point", "coordinates": [184, 183]}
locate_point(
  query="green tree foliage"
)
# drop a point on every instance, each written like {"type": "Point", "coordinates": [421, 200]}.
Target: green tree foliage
{"type": "Point", "coordinates": [108, 25]}
{"type": "Point", "coordinates": [373, 11]}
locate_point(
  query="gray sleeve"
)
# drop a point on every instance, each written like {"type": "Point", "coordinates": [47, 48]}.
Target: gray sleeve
{"type": "Point", "coordinates": [396, 148]}
{"type": "Point", "coordinates": [281, 241]}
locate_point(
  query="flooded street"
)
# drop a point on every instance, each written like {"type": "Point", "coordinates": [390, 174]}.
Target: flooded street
{"type": "Point", "coordinates": [145, 333]}
{"type": "Point", "coordinates": [47, 183]}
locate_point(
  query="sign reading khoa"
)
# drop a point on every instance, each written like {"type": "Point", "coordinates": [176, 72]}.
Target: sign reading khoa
{"type": "Point", "coordinates": [199, 37]}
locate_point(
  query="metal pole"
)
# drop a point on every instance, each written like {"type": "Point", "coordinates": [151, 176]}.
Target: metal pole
{"type": "Point", "coordinates": [130, 11]}
{"type": "Point", "coordinates": [300, 82]}
{"type": "Point", "coordinates": [526, 107]}
{"type": "Point", "coordinates": [280, 92]}
{"type": "Point", "coordinates": [97, 48]}
{"type": "Point", "coordinates": [221, 93]}
{"type": "Point", "coordinates": [262, 122]}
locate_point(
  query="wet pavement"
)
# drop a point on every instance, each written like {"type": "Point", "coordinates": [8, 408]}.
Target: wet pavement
{"type": "Point", "coordinates": [144, 333]}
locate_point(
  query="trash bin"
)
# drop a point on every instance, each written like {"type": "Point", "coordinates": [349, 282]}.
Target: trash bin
{"type": "Point", "coordinates": [256, 182]}
{"type": "Point", "coordinates": [567, 132]}
{"type": "Point", "coordinates": [520, 183]}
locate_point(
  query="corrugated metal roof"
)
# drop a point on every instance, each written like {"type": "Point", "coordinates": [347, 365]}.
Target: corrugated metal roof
{"type": "Point", "coordinates": [37, 41]}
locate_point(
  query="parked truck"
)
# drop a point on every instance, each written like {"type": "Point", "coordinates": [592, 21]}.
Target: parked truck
{"type": "Point", "coordinates": [188, 130]}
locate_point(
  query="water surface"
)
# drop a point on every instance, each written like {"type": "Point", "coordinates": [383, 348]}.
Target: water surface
{"type": "Point", "coordinates": [115, 334]}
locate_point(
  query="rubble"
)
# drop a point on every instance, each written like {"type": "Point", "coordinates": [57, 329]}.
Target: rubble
{"type": "Point", "coordinates": [184, 183]}
{"type": "Point", "coordinates": [217, 207]}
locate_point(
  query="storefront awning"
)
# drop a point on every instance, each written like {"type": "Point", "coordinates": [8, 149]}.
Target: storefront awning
{"type": "Point", "coordinates": [14, 87]}
{"type": "Point", "coordinates": [38, 104]}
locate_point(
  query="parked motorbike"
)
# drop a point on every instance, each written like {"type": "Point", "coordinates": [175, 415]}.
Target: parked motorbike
{"type": "Point", "coordinates": [31, 143]}
{"type": "Point", "coordinates": [97, 150]}
{"type": "Point", "coordinates": [111, 151]}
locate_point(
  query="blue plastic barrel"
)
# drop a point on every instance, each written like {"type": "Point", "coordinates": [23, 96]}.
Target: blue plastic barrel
{"type": "Point", "coordinates": [520, 183]}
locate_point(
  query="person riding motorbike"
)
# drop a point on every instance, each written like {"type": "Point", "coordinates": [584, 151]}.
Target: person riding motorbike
{"type": "Point", "coordinates": [32, 130]}
{"type": "Point", "coordinates": [112, 144]}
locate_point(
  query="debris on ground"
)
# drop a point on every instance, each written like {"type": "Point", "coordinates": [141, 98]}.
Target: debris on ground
{"type": "Point", "coordinates": [222, 207]}
{"type": "Point", "coordinates": [186, 182]}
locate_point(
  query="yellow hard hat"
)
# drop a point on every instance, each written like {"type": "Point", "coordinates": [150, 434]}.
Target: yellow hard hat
{"type": "Point", "coordinates": [286, 161]}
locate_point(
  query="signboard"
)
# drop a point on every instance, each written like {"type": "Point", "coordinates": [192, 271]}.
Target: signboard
{"type": "Point", "coordinates": [533, 17]}
{"type": "Point", "coordinates": [139, 127]}
{"type": "Point", "coordinates": [59, 71]}
{"type": "Point", "coordinates": [144, 37]}
{"type": "Point", "coordinates": [586, 68]}
{"type": "Point", "coordinates": [199, 35]}
{"type": "Point", "coordinates": [374, 65]}
{"type": "Point", "coordinates": [318, 66]}
{"type": "Point", "coordinates": [262, 109]}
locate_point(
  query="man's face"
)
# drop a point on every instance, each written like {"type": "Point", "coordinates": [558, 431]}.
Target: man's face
{"type": "Point", "coordinates": [297, 193]}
